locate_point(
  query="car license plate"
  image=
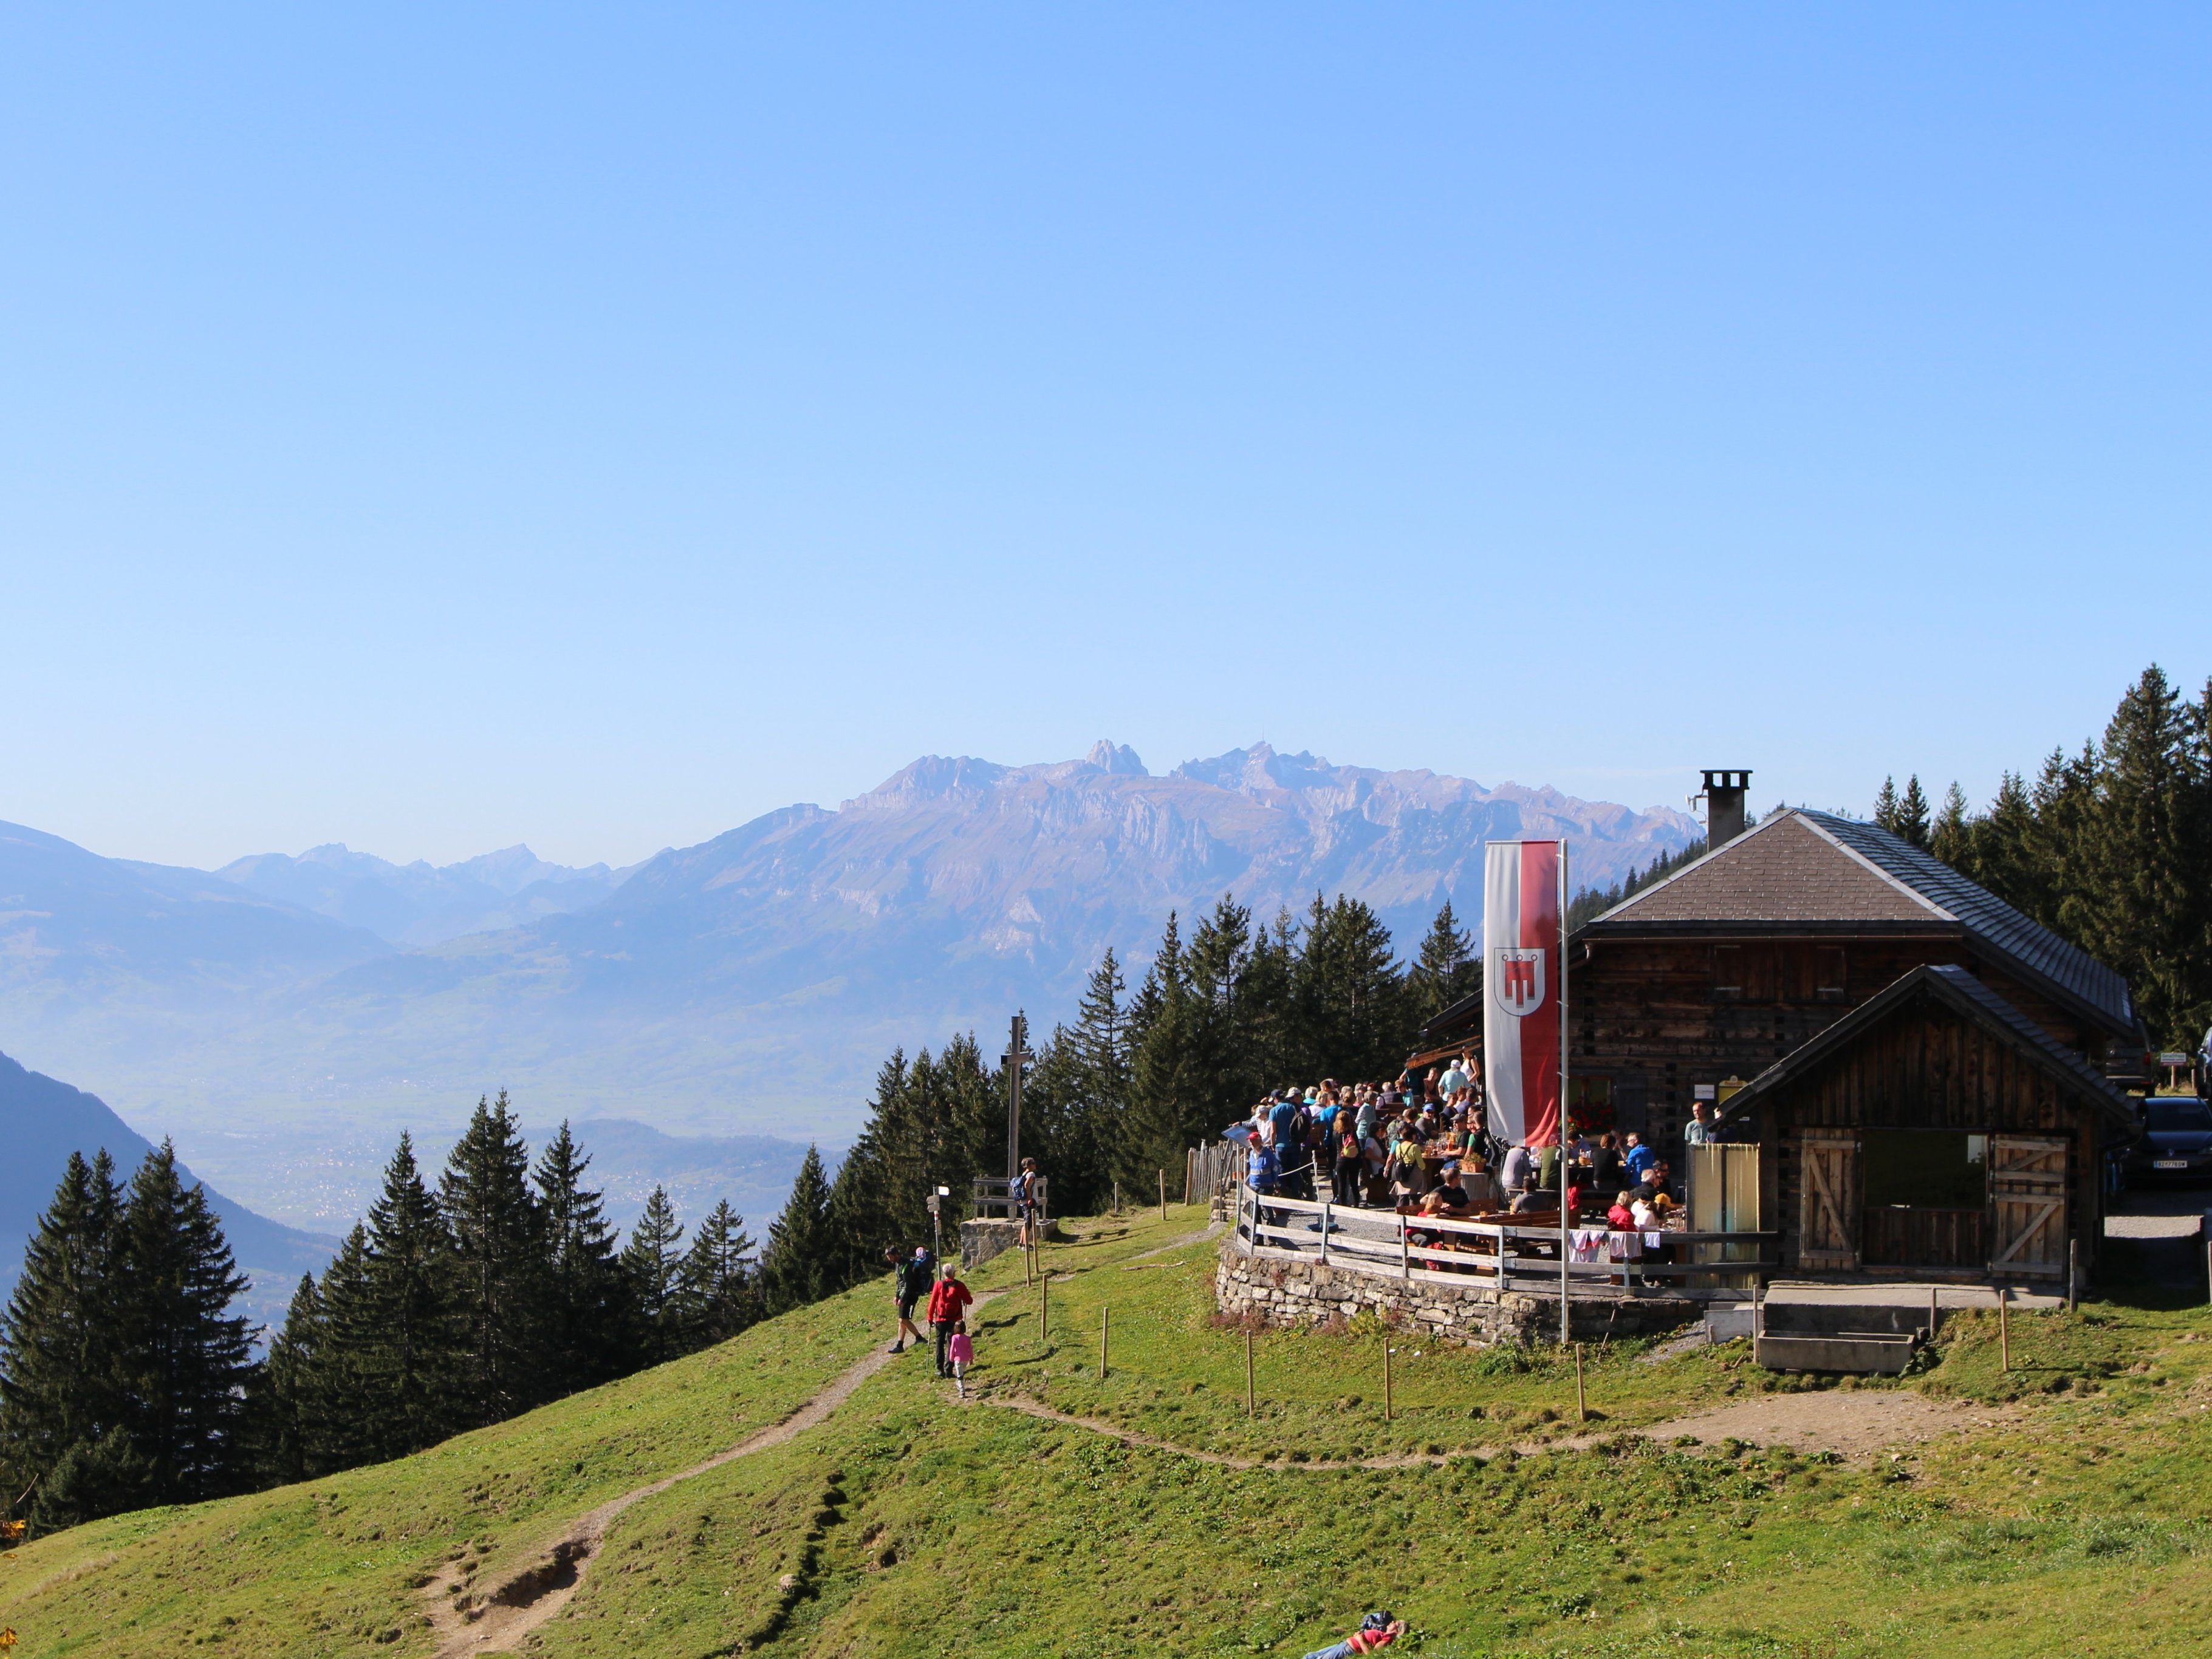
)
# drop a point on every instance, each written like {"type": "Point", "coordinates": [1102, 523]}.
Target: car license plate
{"type": "Point", "coordinates": [2170, 1164]}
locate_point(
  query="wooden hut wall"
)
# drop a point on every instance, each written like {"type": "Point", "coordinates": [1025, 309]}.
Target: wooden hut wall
{"type": "Point", "coordinates": [1659, 1017]}
{"type": "Point", "coordinates": [1927, 1067]}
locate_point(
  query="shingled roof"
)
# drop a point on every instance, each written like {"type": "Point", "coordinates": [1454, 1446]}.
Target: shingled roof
{"type": "Point", "coordinates": [1817, 871]}
{"type": "Point", "coordinates": [1955, 986]}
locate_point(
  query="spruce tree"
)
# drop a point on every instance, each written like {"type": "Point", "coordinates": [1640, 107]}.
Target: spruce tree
{"type": "Point", "coordinates": [797, 1268]}
{"type": "Point", "coordinates": [1350, 994]}
{"type": "Point", "coordinates": [1885, 814]}
{"type": "Point", "coordinates": [1445, 969]}
{"type": "Point", "coordinates": [282, 1406]}
{"type": "Point", "coordinates": [715, 1292]}
{"type": "Point", "coordinates": [61, 1369]}
{"type": "Point", "coordinates": [498, 1246]}
{"type": "Point", "coordinates": [652, 1261]}
{"type": "Point", "coordinates": [187, 1358]}
{"type": "Point", "coordinates": [1912, 812]}
{"type": "Point", "coordinates": [337, 1418]}
{"type": "Point", "coordinates": [590, 1316]}
{"type": "Point", "coordinates": [408, 1340]}
{"type": "Point", "coordinates": [1951, 838]}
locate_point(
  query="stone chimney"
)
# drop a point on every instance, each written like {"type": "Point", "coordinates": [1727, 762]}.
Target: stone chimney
{"type": "Point", "coordinates": [1724, 793]}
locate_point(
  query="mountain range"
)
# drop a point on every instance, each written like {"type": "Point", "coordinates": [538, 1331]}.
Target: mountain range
{"type": "Point", "coordinates": [750, 984]}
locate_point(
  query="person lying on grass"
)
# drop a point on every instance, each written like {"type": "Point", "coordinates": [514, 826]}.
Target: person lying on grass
{"type": "Point", "coordinates": [1377, 1630]}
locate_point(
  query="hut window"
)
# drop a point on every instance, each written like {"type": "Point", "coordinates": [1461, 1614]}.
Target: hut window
{"type": "Point", "coordinates": [1926, 1169]}
{"type": "Point", "coordinates": [1728, 972]}
{"type": "Point", "coordinates": [1828, 981]}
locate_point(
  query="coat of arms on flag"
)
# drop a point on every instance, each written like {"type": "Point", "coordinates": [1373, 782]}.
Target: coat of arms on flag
{"type": "Point", "coordinates": [1517, 979]}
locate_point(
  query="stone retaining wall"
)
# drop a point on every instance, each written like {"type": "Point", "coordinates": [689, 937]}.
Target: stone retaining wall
{"type": "Point", "coordinates": [1292, 1294]}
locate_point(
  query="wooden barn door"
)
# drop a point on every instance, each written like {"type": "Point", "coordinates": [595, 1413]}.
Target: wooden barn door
{"type": "Point", "coordinates": [1828, 1200]}
{"type": "Point", "coordinates": [2027, 1205]}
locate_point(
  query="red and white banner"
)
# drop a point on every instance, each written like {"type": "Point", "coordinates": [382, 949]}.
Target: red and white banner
{"type": "Point", "coordinates": [1523, 952]}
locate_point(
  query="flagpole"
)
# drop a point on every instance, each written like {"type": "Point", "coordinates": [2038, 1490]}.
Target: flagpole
{"type": "Point", "coordinates": [1565, 1220]}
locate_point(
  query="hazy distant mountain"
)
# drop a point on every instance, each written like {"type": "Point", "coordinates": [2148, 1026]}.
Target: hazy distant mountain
{"type": "Point", "coordinates": [754, 981]}
{"type": "Point", "coordinates": [421, 903]}
{"type": "Point", "coordinates": [42, 1121]}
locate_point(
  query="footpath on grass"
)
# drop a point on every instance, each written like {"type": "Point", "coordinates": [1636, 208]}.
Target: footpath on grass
{"type": "Point", "coordinates": [497, 1614]}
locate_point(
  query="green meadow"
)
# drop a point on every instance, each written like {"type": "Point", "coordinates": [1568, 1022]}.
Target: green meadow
{"type": "Point", "coordinates": [2073, 1514]}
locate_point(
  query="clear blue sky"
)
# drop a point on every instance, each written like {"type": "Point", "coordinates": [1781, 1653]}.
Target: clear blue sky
{"type": "Point", "coordinates": [436, 428]}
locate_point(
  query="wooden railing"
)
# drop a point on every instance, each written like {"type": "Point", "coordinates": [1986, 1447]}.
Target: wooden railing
{"type": "Point", "coordinates": [1505, 1255]}
{"type": "Point", "coordinates": [993, 1195]}
{"type": "Point", "coordinates": [1215, 1171]}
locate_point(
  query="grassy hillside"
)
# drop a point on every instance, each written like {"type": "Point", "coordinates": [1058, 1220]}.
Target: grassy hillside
{"type": "Point", "coordinates": [2072, 1515]}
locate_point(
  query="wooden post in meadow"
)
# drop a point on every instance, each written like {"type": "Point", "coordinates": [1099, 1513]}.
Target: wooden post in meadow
{"type": "Point", "coordinates": [2004, 1327]}
{"type": "Point", "coordinates": [1163, 1194]}
{"type": "Point", "coordinates": [1105, 1324]}
{"type": "Point", "coordinates": [1251, 1397]}
{"type": "Point", "coordinates": [1582, 1402]}
{"type": "Point", "coordinates": [2072, 1273]}
{"type": "Point", "coordinates": [1044, 1301]}
{"type": "Point", "coordinates": [1387, 1402]}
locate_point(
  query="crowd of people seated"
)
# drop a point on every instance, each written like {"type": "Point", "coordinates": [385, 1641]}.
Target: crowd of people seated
{"type": "Point", "coordinates": [1421, 1145]}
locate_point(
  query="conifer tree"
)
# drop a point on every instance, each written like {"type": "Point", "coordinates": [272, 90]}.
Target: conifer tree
{"type": "Point", "coordinates": [335, 1423]}
{"type": "Point", "coordinates": [1885, 806]}
{"type": "Point", "coordinates": [715, 1292]}
{"type": "Point", "coordinates": [406, 1331]}
{"type": "Point", "coordinates": [187, 1357]}
{"type": "Point", "coordinates": [1951, 838]}
{"type": "Point", "coordinates": [281, 1404]}
{"type": "Point", "coordinates": [61, 1369]}
{"type": "Point", "coordinates": [590, 1314]}
{"type": "Point", "coordinates": [1445, 970]}
{"type": "Point", "coordinates": [1350, 994]}
{"type": "Point", "coordinates": [798, 1267]}
{"type": "Point", "coordinates": [652, 1261]}
{"type": "Point", "coordinates": [498, 1239]}
{"type": "Point", "coordinates": [1912, 812]}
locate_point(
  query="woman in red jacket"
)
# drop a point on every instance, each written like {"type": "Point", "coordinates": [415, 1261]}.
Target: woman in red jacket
{"type": "Point", "coordinates": [948, 1302]}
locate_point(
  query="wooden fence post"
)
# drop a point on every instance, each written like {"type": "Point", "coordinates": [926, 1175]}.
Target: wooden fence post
{"type": "Point", "coordinates": [2073, 1274]}
{"type": "Point", "coordinates": [1105, 1324]}
{"type": "Point", "coordinates": [1251, 1400]}
{"type": "Point", "coordinates": [1044, 1302]}
{"type": "Point", "coordinates": [1405, 1251]}
{"type": "Point", "coordinates": [1582, 1401]}
{"type": "Point", "coordinates": [1117, 1198]}
{"type": "Point", "coordinates": [1324, 1232]}
{"type": "Point", "coordinates": [1386, 1374]}
{"type": "Point", "coordinates": [2004, 1327]}
{"type": "Point", "coordinates": [1932, 1294]}
{"type": "Point", "coordinates": [1163, 1194]}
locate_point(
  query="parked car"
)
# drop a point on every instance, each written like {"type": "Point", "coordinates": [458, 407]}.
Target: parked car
{"type": "Point", "coordinates": [2176, 1142]}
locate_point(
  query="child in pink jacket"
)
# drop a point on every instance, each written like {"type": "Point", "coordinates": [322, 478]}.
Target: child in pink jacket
{"type": "Point", "coordinates": [961, 1352]}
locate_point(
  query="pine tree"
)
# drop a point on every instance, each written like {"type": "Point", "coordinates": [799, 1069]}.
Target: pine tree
{"type": "Point", "coordinates": [1912, 812]}
{"type": "Point", "coordinates": [407, 1336]}
{"type": "Point", "coordinates": [61, 1372]}
{"type": "Point", "coordinates": [282, 1406]}
{"type": "Point", "coordinates": [798, 1267]}
{"type": "Point", "coordinates": [497, 1235]}
{"type": "Point", "coordinates": [653, 1261]}
{"type": "Point", "coordinates": [715, 1289]}
{"type": "Point", "coordinates": [336, 1424]}
{"type": "Point", "coordinates": [1886, 807]}
{"type": "Point", "coordinates": [1102, 1037]}
{"type": "Point", "coordinates": [1350, 996]}
{"type": "Point", "coordinates": [187, 1358]}
{"type": "Point", "coordinates": [1951, 839]}
{"type": "Point", "coordinates": [1446, 969]}
{"type": "Point", "coordinates": [590, 1316]}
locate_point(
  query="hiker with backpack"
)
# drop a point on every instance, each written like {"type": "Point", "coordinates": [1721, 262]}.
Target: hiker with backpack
{"type": "Point", "coordinates": [1377, 1630]}
{"type": "Point", "coordinates": [948, 1304]}
{"type": "Point", "coordinates": [910, 1280]}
